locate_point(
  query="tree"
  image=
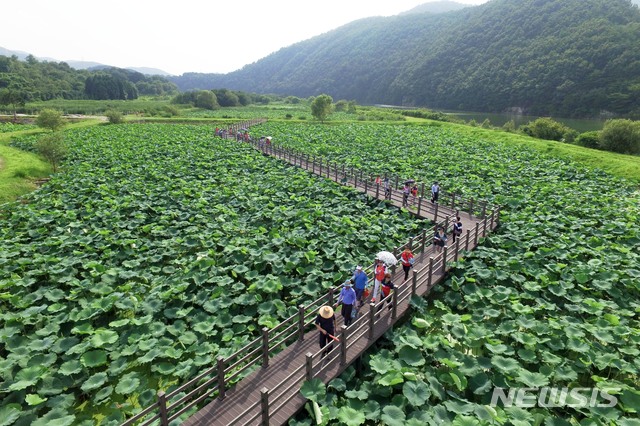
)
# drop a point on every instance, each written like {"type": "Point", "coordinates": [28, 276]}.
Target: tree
{"type": "Point", "coordinates": [13, 98]}
{"type": "Point", "coordinates": [52, 148]}
{"type": "Point", "coordinates": [546, 128]}
{"type": "Point", "coordinates": [321, 107]}
{"type": "Point", "coordinates": [206, 99]}
{"type": "Point", "coordinates": [50, 119]}
{"type": "Point", "coordinates": [589, 139]}
{"type": "Point", "coordinates": [226, 98]}
{"type": "Point", "coordinates": [621, 136]}
{"type": "Point", "coordinates": [114, 116]}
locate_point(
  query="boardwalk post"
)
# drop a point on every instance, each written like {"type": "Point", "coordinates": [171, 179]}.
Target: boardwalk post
{"type": "Point", "coordinates": [355, 177]}
{"type": "Point", "coordinates": [328, 169]}
{"type": "Point", "coordinates": [394, 304]}
{"type": "Point", "coordinates": [162, 406]}
{"type": "Point", "coordinates": [309, 365]}
{"type": "Point", "coordinates": [264, 402]}
{"type": "Point", "coordinates": [422, 190]}
{"type": "Point", "coordinates": [320, 167]}
{"type": "Point", "coordinates": [411, 243]}
{"type": "Point", "coordinates": [395, 254]}
{"type": "Point", "coordinates": [497, 216]}
{"type": "Point", "coordinates": [446, 224]}
{"type": "Point", "coordinates": [377, 190]}
{"type": "Point", "coordinates": [484, 210]}
{"type": "Point", "coordinates": [301, 322]}
{"type": "Point", "coordinates": [466, 243]}
{"type": "Point", "coordinates": [265, 347]}
{"type": "Point", "coordinates": [343, 344]}
{"type": "Point", "coordinates": [372, 320]}
{"type": "Point", "coordinates": [471, 208]}
{"type": "Point", "coordinates": [221, 384]}
{"type": "Point", "coordinates": [493, 211]}
{"type": "Point", "coordinates": [419, 205]}
{"type": "Point", "coordinates": [313, 165]}
{"type": "Point", "coordinates": [475, 237]}
{"type": "Point", "coordinates": [435, 215]}
{"type": "Point", "coordinates": [424, 240]}
{"type": "Point", "coordinates": [396, 184]}
{"type": "Point", "coordinates": [455, 256]}
{"type": "Point", "coordinates": [366, 186]}
{"type": "Point", "coordinates": [444, 260]}
{"type": "Point", "coordinates": [429, 279]}
{"type": "Point", "coordinates": [414, 282]}
{"type": "Point", "coordinates": [453, 201]}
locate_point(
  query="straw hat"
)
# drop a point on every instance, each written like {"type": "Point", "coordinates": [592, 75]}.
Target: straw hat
{"type": "Point", "coordinates": [326, 312]}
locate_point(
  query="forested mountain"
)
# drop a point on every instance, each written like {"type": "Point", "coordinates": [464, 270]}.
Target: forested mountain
{"type": "Point", "coordinates": [560, 57]}
{"type": "Point", "coordinates": [31, 79]}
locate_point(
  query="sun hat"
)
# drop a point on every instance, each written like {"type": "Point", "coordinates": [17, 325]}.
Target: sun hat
{"type": "Point", "coordinates": [347, 283]}
{"type": "Point", "coordinates": [326, 312]}
{"type": "Point", "coordinates": [358, 268]}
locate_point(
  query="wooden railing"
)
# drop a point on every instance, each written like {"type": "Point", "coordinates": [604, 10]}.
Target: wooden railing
{"type": "Point", "coordinates": [217, 379]}
{"type": "Point", "coordinates": [231, 132]}
{"type": "Point", "coordinates": [367, 181]}
{"type": "Point", "coordinates": [421, 282]}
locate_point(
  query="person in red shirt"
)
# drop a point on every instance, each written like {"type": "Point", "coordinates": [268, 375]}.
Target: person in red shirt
{"type": "Point", "coordinates": [407, 262]}
{"type": "Point", "coordinates": [379, 270]}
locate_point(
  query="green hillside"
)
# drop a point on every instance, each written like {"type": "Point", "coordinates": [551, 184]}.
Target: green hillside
{"type": "Point", "coordinates": [559, 57]}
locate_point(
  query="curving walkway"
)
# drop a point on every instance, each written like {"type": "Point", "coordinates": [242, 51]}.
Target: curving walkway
{"type": "Point", "coordinates": [260, 383]}
{"type": "Point", "coordinates": [271, 394]}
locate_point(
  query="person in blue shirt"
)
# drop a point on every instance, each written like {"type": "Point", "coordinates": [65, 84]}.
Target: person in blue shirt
{"type": "Point", "coordinates": [348, 299]}
{"type": "Point", "coordinates": [360, 281]}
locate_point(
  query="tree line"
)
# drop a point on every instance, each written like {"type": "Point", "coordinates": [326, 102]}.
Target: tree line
{"type": "Point", "coordinates": [34, 80]}
{"type": "Point", "coordinates": [569, 58]}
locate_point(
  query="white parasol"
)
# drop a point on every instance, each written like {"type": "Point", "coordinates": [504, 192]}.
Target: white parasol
{"type": "Point", "coordinates": [387, 258]}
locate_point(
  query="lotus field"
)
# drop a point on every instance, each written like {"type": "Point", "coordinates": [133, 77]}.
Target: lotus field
{"type": "Point", "coordinates": [550, 301]}
{"type": "Point", "coordinates": [156, 250]}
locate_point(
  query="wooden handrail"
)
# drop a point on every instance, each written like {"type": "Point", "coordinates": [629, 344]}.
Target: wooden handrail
{"type": "Point", "coordinates": [267, 343]}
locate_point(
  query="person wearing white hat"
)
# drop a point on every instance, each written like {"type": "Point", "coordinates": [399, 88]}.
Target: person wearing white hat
{"type": "Point", "coordinates": [326, 325]}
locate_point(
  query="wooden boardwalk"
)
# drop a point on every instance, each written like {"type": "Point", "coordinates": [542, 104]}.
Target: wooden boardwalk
{"type": "Point", "coordinates": [270, 395]}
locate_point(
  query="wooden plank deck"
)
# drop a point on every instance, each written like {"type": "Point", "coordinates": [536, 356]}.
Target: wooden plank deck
{"type": "Point", "coordinates": [273, 392]}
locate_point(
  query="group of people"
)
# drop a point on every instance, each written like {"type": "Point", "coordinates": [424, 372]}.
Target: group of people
{"type": "Point", "coordinates": [353, 296]}
{"type": "Point", "coordinates": [353, 293]}
{"type": "Point", "coordinates": [410, 189]}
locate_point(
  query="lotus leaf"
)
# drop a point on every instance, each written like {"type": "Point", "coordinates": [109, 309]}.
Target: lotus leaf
{"type": "Point", "coordinates": [94, 358]}
{"type": "Point", "coordinates": [128, 384]}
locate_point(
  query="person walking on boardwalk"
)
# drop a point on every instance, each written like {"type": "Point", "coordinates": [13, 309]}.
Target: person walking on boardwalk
{"type": "Point", "coordinates": [406, 190]}
{"type": "Point", "coordinates": [414, 194]}
{"type": "Point", "coordinates": [387, 286]}
{"type": "Point", "coordinates": [348, 299]}
{"type": "Point", "coordinates": [326, 325]}
{"type": "Point", "coordinates": [379, 270]}
{"type": "Point", "coordinates": [407, 260]}
{"type": "Point", "coordinates": [360, 281]}
{"type": "Point", "coordinates": [435, 191]}
{"type": "Point", "coordinates": [457, 229]}
{"type": "Point", "coordinates": [387, 188]}
{"type": "Point", "coordinates": [439, 239]}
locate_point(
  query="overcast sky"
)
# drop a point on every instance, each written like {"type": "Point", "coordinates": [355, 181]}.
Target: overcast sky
{"type": "Point", "coordinates": [180, 36]}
